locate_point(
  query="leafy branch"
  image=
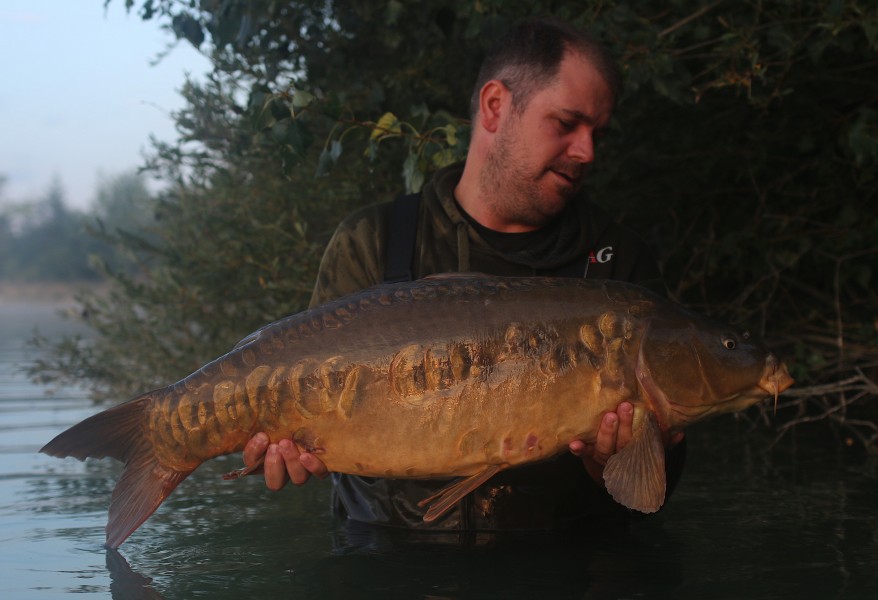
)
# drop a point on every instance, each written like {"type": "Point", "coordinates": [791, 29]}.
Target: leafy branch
{"type": "Point", "coordinates": [437, 140]}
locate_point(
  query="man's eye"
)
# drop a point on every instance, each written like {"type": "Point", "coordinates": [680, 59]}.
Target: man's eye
{"type": "Point", "coordinates": [565, 124]}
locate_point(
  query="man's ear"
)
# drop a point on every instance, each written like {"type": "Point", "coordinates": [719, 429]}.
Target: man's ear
{"type": "Point", "coordinates": [494, 100]}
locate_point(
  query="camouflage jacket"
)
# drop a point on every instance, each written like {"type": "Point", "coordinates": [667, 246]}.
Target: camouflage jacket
{"type": "Point", "coordinates": [446, 241]}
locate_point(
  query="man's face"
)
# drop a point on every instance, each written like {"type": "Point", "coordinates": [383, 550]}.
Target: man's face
{"type": "Point", "coordinates": [539, 157]}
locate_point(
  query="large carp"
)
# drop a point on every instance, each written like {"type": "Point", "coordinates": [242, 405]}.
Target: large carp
{"type": "Point", "coordinates": [447, 376]}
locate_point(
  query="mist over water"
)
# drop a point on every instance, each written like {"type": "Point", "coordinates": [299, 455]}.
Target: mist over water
{"type": "Point", "coordinates": [749, 520]}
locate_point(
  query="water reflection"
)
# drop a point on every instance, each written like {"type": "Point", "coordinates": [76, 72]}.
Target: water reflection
{"type": "Point", "coordinates": [387, 563]}
{"type": "Point", "coordinates": [597, 562]}
{"type": "Point", "coordinates": [127, 584]}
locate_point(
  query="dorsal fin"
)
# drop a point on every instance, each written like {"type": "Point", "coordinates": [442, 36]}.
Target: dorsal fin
{"type": "Point", "coordinates": [452, 276]}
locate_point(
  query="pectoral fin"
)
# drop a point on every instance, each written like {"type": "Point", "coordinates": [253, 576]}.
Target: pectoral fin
{"type": "Point", "coordinates": [635, 476]}
{"type": "Point", "coordinates": [444, 499]}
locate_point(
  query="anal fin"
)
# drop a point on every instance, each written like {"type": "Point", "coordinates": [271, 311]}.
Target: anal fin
{"type": "Point", "coordinates": [447, 497]}
{"type": "Point", "coordinates": [635, 476]}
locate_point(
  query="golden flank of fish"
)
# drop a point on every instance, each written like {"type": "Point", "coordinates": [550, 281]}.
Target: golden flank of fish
{"type": "Point", "coordinates": [459, 375]}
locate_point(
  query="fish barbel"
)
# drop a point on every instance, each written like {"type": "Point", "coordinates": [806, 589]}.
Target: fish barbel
{"type": "Point", "coordinates": [459, 375]}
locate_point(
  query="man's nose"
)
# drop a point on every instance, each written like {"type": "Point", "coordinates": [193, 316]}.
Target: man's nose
{"type": "Point", "coordinates": [582, 148]}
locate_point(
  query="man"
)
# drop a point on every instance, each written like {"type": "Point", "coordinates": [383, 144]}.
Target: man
{"type": "Point", "coordinates": [545, 93]}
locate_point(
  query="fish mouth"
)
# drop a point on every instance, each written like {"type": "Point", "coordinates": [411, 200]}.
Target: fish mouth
{"type": "Point", "coordinates": [775, 379]}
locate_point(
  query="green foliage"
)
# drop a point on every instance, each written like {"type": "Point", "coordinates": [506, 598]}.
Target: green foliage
{"type": "Point", "coordinates": [744, 149]}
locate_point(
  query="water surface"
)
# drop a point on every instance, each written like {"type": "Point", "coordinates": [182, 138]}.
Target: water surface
{"type": "Point", "coordinates": [797, 519]}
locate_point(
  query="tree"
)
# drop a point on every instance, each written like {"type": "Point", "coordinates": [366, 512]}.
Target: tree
{"type": "Point", "coordinates": [45, 241]}
{"type": "Point", "coordinates": [124, 202]}
{"type": "Point", "coordinates": [122, 217]}
{"type": "Point", "coordinates": [744, 148]}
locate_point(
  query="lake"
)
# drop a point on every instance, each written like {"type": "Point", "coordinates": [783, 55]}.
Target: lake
{"type": "Point", "coordinates": [750, 519]}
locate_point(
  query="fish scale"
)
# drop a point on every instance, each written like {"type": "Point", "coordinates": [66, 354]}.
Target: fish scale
{"type": "Point", "coordinates": [463, 375]}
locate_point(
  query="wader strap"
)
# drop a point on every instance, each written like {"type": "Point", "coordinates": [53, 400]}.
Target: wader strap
{"type": "Point", "coordinates": [402, 227]}
{"type": "Point", "coordinates": [576, 268]}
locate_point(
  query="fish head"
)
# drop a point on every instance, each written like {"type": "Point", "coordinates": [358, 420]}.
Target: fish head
{"type": "Point", "coordinates": [691, 367]}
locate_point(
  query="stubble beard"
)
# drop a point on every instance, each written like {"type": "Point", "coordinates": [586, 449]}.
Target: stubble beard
{"type": "Point", "coordinates": [512, 188]}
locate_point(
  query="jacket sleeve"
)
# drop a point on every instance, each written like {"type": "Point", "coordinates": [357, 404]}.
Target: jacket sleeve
{"type": "Point", "coordinates": [352, 260]}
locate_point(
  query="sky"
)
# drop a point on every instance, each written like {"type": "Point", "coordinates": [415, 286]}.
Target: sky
{"type": "Point", "coordinates": [79, 95]}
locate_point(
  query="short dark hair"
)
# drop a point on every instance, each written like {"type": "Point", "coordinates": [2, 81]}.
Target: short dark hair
{"type": "Point", "coordinates": [528, 57]}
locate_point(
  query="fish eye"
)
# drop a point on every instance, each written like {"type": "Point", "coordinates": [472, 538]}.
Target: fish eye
{"type": "Point", "coordinates": [729, 343]}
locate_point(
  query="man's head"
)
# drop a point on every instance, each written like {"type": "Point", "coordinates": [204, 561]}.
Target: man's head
{"type": "Point", "coordinates": [528, 57]}
{"type": "Point", "coordinates": [545, 94]}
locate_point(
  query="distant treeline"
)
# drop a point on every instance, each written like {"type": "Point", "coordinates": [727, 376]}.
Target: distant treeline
{"type": "Point", "coordinates": [43, 240]}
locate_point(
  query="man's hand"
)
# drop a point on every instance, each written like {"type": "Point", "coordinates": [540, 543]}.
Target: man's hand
{"type": "Point", "coordinates": [613, 435]}
{"type": "Point", "coordinates": [283, 462]}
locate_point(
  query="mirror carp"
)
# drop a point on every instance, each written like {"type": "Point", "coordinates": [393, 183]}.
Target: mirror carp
{"type": "Point", "coordinates": [457, 375]}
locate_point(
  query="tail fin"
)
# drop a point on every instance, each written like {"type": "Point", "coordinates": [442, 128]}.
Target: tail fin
{"type": "Point", "coordinates": [145, 482]}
